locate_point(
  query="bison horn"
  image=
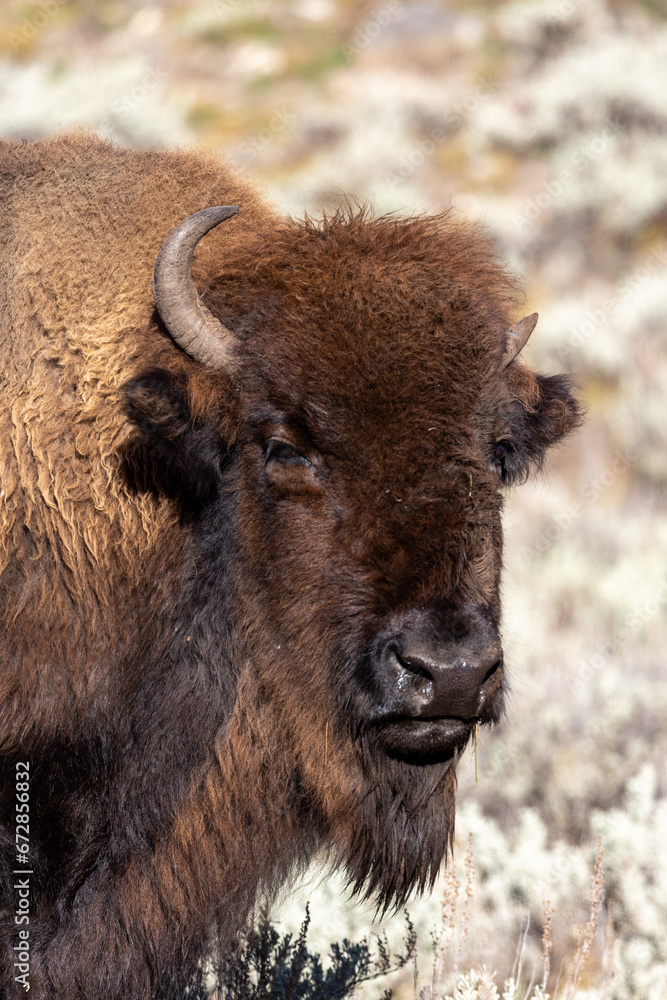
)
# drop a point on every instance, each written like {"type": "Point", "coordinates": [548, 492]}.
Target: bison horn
{"type": "Point", "coordinates": [190, 323]}
{"type": "Point", "coordinates": [517, 338]}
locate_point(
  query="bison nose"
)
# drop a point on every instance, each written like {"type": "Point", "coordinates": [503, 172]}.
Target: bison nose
{"type": "Point", "coordinates": [458, 687]}
{"type": "Point", "coordinates": [423, 677]}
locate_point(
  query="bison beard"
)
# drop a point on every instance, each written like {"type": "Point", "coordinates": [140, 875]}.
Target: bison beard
{"type": "Point", "coordinates": [403, 830]}
{"type": "Point", "coordinates": [250, 549]}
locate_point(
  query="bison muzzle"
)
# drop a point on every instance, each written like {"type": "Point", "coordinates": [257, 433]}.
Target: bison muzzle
{"type": "Point", "coordinates": [250, 550]}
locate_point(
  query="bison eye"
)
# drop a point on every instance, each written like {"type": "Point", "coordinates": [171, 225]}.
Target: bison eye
{"type": "Point", "coordinates": [502, 452]}
{"type": "Point", "coordinates": [285, 454]}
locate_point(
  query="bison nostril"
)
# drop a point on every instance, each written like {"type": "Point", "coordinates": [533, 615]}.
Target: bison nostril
{"type": "Point", "coordinates": [491, 671]}
{"type": "Point", "coordinates": [413, 666]}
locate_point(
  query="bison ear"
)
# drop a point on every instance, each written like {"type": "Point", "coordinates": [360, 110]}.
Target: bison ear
{"type": "Point", "coordinates": [557, 411]}
{"type": "Point", "coordinates": [544, 410]}
{"type": "Point", "coordinates": [171, 453]}
{"type": "Point", "coordinates": [547, 411]}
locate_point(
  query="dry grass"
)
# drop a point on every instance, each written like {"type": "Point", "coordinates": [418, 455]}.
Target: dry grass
{"type": "Point", "coordinates": [472, 983]}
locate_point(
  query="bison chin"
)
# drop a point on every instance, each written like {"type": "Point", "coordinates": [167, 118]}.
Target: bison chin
{"type": "Point", "coordinates": [403, 828]}
{"type": "Point", "coordinates": [424, 741]}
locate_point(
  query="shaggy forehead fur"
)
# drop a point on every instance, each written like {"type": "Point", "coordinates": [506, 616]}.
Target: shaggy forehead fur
{"type": "Point", "coordinates": [405, 328]}
{"type": "Point", "coordinates": [384, 297]}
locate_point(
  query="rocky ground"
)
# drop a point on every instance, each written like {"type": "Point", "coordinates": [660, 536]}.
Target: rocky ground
{"type": "Point", "coordinates": [547, 120]}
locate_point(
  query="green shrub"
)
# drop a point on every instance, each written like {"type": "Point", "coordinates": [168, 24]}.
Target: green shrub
{"type": "Point", "coordinates": [270, 966]}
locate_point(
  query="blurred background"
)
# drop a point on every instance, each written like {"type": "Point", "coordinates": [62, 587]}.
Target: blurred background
{"type": "Point", "coordinates": [547, 120]}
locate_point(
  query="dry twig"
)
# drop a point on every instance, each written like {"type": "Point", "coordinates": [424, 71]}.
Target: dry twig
{"type": "Point", "coordinates": [588, 934]}
{"type": "Point", "coordinates": [547, 943]}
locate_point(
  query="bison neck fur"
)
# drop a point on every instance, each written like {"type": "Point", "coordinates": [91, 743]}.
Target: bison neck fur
{"type": "Point", "coordinates": [210, 580]}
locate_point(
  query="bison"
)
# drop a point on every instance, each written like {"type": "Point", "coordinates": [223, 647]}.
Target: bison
{"type": "Point", "coordinates": [250, 550]}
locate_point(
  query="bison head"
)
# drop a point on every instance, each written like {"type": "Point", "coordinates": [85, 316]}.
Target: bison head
{"type": "Point", "coordinates": [342, 441]}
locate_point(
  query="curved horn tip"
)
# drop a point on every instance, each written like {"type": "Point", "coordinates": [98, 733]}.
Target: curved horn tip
{"type": "Point", "coordinates": [517, 337]}
{"type": "Point", "coordinates": [190, 323]}
{"type": "Point", "coordinates": [219, 212]}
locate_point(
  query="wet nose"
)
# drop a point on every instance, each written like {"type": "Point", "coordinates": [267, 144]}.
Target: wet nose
{"type": "Point", "coordinates": [425, 671]}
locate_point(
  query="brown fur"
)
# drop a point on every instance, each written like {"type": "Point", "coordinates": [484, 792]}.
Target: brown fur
{"type": "Point", "coordinates": [185, 625]}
